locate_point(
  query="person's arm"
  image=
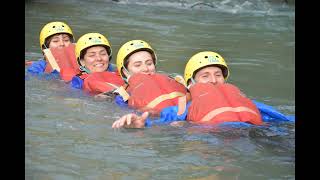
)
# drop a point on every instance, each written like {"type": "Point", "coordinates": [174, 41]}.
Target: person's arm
{"type": "Point", "coordinates": [269, 113]}
{"type": "Point", "coordinates": [37, 67]}
{"type": "Point", "coordinates": [167, 116]}
{"type": "Point", "coordinates": [119, 95]}
{"type": "Point", "coordinates": [97, 86]}
{"type": "Point", "coordinates": [76, 82]}
{"type": "Point", "coordinates": [118, 99]}
{"type": "Point", "coordinates": [112, 68]}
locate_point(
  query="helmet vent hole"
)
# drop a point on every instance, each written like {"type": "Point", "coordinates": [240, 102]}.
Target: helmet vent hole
{"type": "Point", "coordinates": [90, 38]}
{"type": "Point", "coordinates": [206, 57]}
{"type": "Point", "coordinates": [53, 26]}
{"type": "Point", "coordinates": [131, 44]}
{"type": "Point", "coordinates": [62, 25]}
{"type": "Point", "coordinates": [99, 37]}
{"type": "Point", "coordinates": [217, 56]}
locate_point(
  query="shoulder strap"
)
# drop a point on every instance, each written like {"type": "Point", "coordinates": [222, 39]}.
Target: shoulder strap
{"type": "Point", "coordinates": [178, 78]}
{"type": "Point", "coordinates": [182, 103]}
{"type": "Point", "coordinates": [122, 92]}
{"type": "Point", "coordinates": [51, 59]}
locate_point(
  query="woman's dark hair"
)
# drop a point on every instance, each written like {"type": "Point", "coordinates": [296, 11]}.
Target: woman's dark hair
{"type": "Point", "coordinates": [48, 39]}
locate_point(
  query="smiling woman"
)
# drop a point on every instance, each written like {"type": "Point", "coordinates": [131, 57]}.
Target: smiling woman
{"type": "Point", "coordinates": [96, 59]}
{"type": "Point", "coordinates": [94, 53]}
{"type": "Point", "coordinates": [92, 49]}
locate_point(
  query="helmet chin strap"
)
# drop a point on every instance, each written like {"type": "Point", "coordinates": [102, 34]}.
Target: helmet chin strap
{"type": "Point", "coordinates": [83, 68]}
{"type": "Point", "coordinates": [192, 82]}
{"type": "Point", "coordinates": [129, 75]}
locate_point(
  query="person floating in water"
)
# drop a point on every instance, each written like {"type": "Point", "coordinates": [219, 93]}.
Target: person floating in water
{"type": "Point", "coordinates": [210, 101]}
{"type": "Point", "coordinates": [56, 39]}
{"type": "Point", "coordinates": [145, 88]}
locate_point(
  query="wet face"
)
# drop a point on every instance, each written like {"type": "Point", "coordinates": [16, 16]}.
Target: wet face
{"type": "Point", "coordinates": [140, 62]}
{"type": "Point", "coordinates": [210, 74]}
{"type": "Point", "coordinates": [59, 41]}
{"type": "Point", "coordinates": [96, 59]}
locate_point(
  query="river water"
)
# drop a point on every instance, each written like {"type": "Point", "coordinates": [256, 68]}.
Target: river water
{"type": "Point", "coordinates": [68, 135]}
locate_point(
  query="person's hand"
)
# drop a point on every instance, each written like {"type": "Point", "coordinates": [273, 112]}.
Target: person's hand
{"type": "Point", "coordinates": [131, 121]}
{"type": "Point", "coordinates": [106, 96]}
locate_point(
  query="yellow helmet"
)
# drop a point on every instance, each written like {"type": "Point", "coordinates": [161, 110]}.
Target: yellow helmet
{"type": "Point", "coordinates": [92, 39]}
{"type": "Point", "coordinates": [51, 29]}
{"type": "Point", "coordinates": [202, 59]}
{"type": "Point", "coordinates": [131, 47]}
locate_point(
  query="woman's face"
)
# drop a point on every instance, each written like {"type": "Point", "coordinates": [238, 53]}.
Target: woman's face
{"type": "Point", "coordinates": [210, 74]}
{"type": "Point", "coordinates": [140, 62]}
{"type": "Point", "coordinates": [96, 59]}
{"type": "Point", "coordinates": [59, 41]}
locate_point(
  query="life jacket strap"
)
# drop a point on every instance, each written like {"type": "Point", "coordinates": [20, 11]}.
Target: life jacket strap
{"type": "Point", "coordinates": [162, 98]}
{"type": "Point", "coordinates": [51, 59]}
{"type": "Point", "coordinates": [218, 111]}
{"type": "Point", "coordinates": [182, 104]}
{"type": "Point", "coordinates": [121, 91]}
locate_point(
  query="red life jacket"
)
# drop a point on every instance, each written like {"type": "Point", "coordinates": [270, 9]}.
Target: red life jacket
{"type": "Point", "coordinates": [98, 82]}
{"type": "Point", "coordinates": [66, 60]}
{"type": "Point", "coordinates": [154, 92]}
{"type": "Point", "coordinates": [215, 104]}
